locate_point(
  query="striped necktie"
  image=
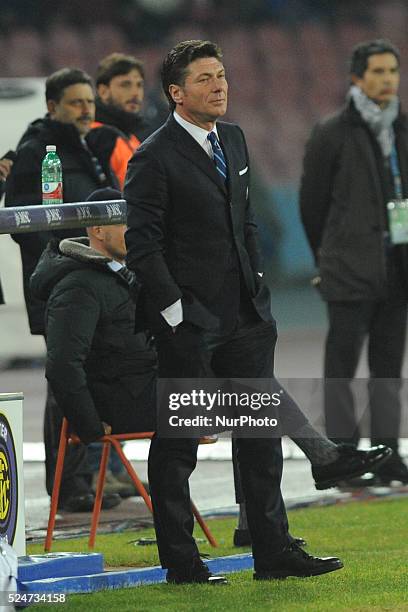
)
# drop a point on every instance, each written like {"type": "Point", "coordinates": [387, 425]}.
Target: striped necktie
{"type": "Point", "coordinates": [127, 275]}
{"type": "Point", "coordinates": [219, 159]}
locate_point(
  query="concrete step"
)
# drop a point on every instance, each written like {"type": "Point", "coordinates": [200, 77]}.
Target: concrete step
{"type": "Point", "coordinates": [113, 579]}
{"type": "Point", "coordinates": [39, 567]}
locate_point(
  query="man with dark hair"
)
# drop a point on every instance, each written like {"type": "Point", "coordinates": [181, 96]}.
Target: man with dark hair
{"type": "Point", "coordinates": [120, 93]}
{"type": "Point", "coordinates": [71, 109]}
{"type": "Point", "coordinates": [57, 83]}
{"type": "Point", "coordinates": [192, 240]}
{"type": "Point", "coordinates": [362, 52]}
{"type": "Point", "coordinates": [356, 163]}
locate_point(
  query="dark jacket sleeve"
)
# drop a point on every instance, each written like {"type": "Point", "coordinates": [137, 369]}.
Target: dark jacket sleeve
{"type": "Point", "coordinates": [23, 188]}
{"type": "Point", "coordinates": [72, 317]}
{"type": "Point", "coordinates": [317, 180]}
{"type": "Point", "coordinates": [146, 194]}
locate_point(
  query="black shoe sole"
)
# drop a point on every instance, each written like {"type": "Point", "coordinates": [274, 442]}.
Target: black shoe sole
{"type": "Point", "coordinates": [213, 580]}
{"type": "Point", "coordinates": [333, 482]}
{"type": "Point", "coordinates": [387, 482]}
{"type": "Point", "coordinates": [283, 574]}
{"type": "Point", "coordinates": [75, 509]}
{"type": "Point", "coordinates": [110, 501]}
{"type": "Point", "coordinates": [80, 503]}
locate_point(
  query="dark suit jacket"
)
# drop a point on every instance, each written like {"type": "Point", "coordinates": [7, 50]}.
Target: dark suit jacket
{"type": "Point", "coordinates": [189, 236]}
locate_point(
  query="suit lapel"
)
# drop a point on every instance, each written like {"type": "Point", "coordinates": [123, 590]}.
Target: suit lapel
{"type": "Point", "coordinates": [191, 150]}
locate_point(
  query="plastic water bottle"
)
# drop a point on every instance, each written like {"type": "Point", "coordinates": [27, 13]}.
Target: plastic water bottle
{"type": "Point", "coordinates": [51, 177]}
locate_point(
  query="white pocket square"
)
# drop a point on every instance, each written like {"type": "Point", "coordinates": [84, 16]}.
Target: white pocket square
{"type": "Point", "coordinates": [243, 171]}
{"type": "Point", "coordinates": [260, 274]}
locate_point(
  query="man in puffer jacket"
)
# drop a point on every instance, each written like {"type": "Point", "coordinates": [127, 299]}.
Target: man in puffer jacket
{"type": "Point", "coordinates": [101, 372]}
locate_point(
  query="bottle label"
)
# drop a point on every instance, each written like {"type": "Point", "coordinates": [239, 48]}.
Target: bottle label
{"type": "Point", "coordinates": [52, 193]}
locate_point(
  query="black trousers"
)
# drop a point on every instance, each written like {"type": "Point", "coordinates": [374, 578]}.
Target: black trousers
{"type": "Point", "coordinates": [76, 474]}
{"type": "Point", "coordinates": [384, 323]}
{"type": "Point", "coordinates": [193, 353]}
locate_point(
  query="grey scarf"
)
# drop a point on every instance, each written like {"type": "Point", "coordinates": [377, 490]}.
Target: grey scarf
{"type": "Point", "coordinates": [379, 120]}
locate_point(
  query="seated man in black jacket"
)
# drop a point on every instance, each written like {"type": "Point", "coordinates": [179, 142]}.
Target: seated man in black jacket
{"type": "Point", "coordinates": [102, 373]}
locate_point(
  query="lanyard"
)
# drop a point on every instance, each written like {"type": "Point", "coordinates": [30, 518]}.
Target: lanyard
{"type": "Point", "coordinates": [396, 173]}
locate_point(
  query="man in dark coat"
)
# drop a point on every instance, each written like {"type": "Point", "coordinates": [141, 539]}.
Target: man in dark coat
{"type": "Point", "coordinates": [102, 373]}
{"type": "Point", "coordinates": [356, 162]}
{"type": "Point", "coordinates": [192, 240]}
{"type": "Point", "coordinates": [71, 110]}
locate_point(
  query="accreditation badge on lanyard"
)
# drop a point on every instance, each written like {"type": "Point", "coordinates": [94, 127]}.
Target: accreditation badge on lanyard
{"type": "Point", "coordinates": [398, 208]}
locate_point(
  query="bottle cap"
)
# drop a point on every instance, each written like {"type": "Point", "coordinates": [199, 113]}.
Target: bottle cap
{"type": "Point", "coordinates": [50, 148]}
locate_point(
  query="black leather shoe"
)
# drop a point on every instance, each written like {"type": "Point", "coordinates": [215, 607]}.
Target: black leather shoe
{"type": "Point", "coordinates": [242, 537]}
{"type": "Point", "coordinates": [110, 500]}
{"type": "Point", "coordinates": [350, 464]}
{"type": "Point", "coordinates": [394, 470]}
{"type": "Point", "coordinates": [197, 573]}
{"type": "Point", "coordinates": [77, 503]}
{"type": "Point", "coordinates": [294, 561]}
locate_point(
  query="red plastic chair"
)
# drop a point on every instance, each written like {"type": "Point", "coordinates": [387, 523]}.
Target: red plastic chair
{"type": "Point", "coordinates": [108, 441]}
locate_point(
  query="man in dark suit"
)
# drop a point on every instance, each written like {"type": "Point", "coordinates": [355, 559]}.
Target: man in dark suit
{"type": "Point", "coordinates": [192, 240]}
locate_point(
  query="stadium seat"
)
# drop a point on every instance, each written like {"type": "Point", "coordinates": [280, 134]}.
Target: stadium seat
{"type": "Point", "coordinates": [114, 440]}
{"type": "Point", "coordinates": [391, 18]}
{"type": "Point", "coordinates": [24, 53]}
{"type": "Point", "coordinates": [65, 47]}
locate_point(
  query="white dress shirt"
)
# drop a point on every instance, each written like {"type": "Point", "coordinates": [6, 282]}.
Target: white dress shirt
{"type": "Point", "coordinates": [115, 265]}
{"type": "Point", "coordinates": [199, 134]}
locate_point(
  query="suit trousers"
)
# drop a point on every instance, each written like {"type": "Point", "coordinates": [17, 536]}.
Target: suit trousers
{"type": "Point", "coordinates": [246, 352]}
{"type": "Point", "coordinates": [384, 323]}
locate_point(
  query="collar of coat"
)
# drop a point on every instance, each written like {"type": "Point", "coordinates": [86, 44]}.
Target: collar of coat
{"type": "Point", "coordinates": [128, 123]}
{"type": "Point", "coordinates": [352, 114]}
{"type": "Point", "coordinates": [79, 249]}
{"type": "Point", "coordinates": [50, 130]}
